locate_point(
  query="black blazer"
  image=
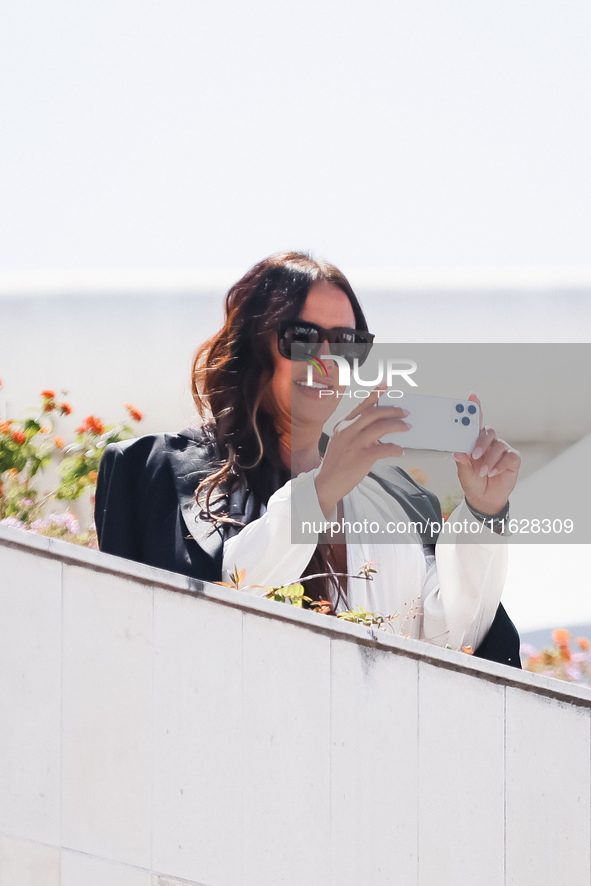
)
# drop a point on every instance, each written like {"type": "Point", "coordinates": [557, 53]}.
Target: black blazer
{"type": "Point", "coordinates": [145, 511]}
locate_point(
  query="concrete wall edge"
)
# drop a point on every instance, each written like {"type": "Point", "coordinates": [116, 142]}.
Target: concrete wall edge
{"type": "Point", "coordinates": [73, 555]}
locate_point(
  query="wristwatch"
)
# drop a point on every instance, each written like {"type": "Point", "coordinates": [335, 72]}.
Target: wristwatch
{"type": "Point", "coordinates": [496, 522]}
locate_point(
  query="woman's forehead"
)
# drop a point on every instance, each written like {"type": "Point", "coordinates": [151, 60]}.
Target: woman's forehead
{"type": "Point", "coordinates": [328, 306]}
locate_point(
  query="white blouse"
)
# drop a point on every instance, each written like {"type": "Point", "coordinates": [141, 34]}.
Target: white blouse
{"type": "Point", "coordinates": [450, 599]}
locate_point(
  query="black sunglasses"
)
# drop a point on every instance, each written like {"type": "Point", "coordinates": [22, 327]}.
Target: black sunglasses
{"type": "Point", "coordinates": [353, 343]}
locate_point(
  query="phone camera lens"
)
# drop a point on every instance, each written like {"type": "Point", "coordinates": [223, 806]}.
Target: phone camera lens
{"type": "Point", "coordinates": [459, 407]}
{"type": "Point", "coordinates": [465, 420]}
{"type": "Point", "coordinates": [472, 410]}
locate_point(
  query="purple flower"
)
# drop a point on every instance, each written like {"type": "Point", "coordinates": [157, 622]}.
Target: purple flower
{"type": "Point", "coordinates": [527, 649]}
{"type": "Point", "coordinates": [38, 525]}
{"type": "Point", "coordinates": [66, 521]}
{"type": "Point", "coordinates": [71, 523]}
{"type": "Point", "coordinates": [12, 521]}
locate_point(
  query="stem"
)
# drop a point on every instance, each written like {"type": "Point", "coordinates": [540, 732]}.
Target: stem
{"type": "Point", "coordinates": [328, 575]}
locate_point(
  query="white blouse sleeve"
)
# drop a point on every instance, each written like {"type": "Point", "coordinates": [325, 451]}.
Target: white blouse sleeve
{"type": "Point", "coordinates": [463, 590]}
{"type": "Point", "coordinates": [264, 547]}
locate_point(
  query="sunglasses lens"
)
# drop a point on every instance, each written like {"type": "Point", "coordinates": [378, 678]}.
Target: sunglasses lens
{"type": "Point", "coordinates": [298, 334]}
{"type": "Point", "coordinates": [353, 344]}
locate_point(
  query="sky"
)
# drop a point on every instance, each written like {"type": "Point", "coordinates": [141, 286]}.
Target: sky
{"type": "Point", "coordinates": [167, 134]}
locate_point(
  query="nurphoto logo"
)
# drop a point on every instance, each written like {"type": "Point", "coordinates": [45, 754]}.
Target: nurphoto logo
{"type": "Point", "coordinates": [386, 370]}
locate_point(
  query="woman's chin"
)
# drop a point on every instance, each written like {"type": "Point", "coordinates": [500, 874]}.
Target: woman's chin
{"type": "Point", "coordinates": [312, 404]}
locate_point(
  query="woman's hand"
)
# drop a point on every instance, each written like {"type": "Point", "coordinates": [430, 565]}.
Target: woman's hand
{"type": "Point", "coordinates": [355, 446]}
{"type": "Point", "coordinates": [489, 473]}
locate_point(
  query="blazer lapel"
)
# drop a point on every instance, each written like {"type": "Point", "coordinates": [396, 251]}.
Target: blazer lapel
{"type": "Point", "coordinates": [413, 499]}
{"type": "Point", "coordinates": [190, 465]}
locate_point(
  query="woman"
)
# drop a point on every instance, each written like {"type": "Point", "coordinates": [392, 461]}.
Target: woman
{"type": "Point", "coordinates": [180, 501]}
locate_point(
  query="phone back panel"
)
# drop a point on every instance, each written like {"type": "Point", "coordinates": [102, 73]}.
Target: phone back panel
{"type": "Point", "coordinates": [440, 423]}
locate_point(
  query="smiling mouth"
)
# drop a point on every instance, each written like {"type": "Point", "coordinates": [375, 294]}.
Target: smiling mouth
{"type": "Point", "coordinates": [318, 385]}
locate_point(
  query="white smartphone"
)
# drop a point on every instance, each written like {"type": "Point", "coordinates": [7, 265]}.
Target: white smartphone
{"type": "Point", "coordinates": [439, 423]}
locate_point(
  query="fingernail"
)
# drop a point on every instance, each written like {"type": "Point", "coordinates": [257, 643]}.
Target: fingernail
{"type": "Point", "coordinates": [484, 470]}
{"type": "Point", "coordinates": [477, 452]}
{"type": "Point", "coordinates": [405, 412]}
{"type": "Point", "coordinates": [493, 473]}
{"type": "Point", "coordinates": [408, 424]}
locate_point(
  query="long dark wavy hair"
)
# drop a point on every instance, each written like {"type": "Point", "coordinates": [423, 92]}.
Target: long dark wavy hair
{"type": "Point", "coordinates": [231, 371]}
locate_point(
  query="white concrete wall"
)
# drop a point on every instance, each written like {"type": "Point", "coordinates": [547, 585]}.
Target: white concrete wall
{"type": "Point", "coordinates": [155, 731]}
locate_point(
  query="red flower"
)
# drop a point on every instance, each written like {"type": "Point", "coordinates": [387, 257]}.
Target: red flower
{"type": "Point", "coordinates": [134, 413]}
{"type": "Point", "coordinates": [18, 437]}
{"type": "Point", "coordinates": [65, 408]}
{"type": "Point", "coordinates": [48, 395]}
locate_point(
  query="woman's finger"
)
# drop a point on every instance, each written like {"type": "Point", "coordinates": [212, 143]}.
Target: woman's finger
{"type": "Point", "coordinates": [510, 461]}
{"type": "Point", "coordinates": [486, 438]}
{"type": "Point", "coordinates": [373, 432]}
{"type": "Point", "coordinates": [473, 397]}
{"type": "Point", "coordinates": [369, 416]}
{"type": "Point", "coordinates": [491, 457]}
{"type": "Point", "coordinates": [367, 403]}
{"type": "Point", "coordinates": [388, 450]}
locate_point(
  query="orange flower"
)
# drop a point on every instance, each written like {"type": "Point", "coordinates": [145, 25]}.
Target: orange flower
{"type": "Point", "coordinates": [18, 437]}
{"type": "Point", "coordinates": [93, 476]}
{"type": "Point", "coordinates": [560, 636]}
{"type": "Point", "coordinates": [323, 607]}
{"type": "Point", "coordinates": [44, 430]}
{"type": "Point", "coordinates": [65, 408]}
{"type": "Point", "coordinates": [13, 472]}
{"type": "Point", "coordinates": [91, 423]}
{"type": "Point", "coordinates": [583, 643]}
{"type": "Point", "coordinates": [134, 413]}
{"type": "Point", "coordinates": [48, 395]}
{"type": "Point", "coordinates": [59, 443]}
{"type": "Point", "coordinates": [5, 427]}
{"type": "Point", "coordinates": [468, 649]}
